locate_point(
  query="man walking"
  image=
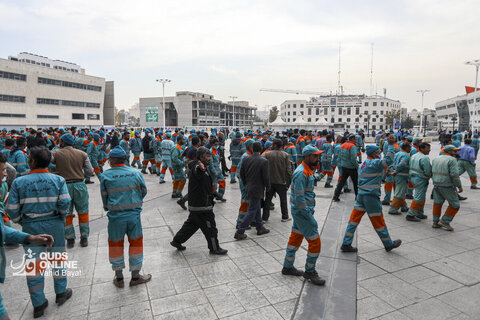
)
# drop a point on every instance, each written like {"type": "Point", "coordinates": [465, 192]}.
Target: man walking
{"type": "Point", "coordinates": [73, 165]}
{"type": "Point", "coordinates": [235, 155]}
{"type": "Point", "coordinates": [256, 177]}
{"type": "Point", "coordinates": [302, 200]}
{"type": "Point", "coordinates": [420, 174]}
{"type": "Point", "coordinates": [167, 145]}
{"type": "Point", "coordinates": [467, 162]}
{"type": "Point", "coordinates": [280, 179]}
{"type": "Point", "coordinates": [200, 205]}
{"type": "Point", "coordinates": [123, 190]}
{"type": "Point", "coordinates": [178, 166]}
{"type": "Point", "coordinates": [401, 167]}
{"type": "Point", "coordinates": [368, 200]}
{"type": "Point", "coordinates": [349, 164]}
{"type": "Point", "coordinates": [446, 181]}
{"type": "Point", "coordinates": [190, 155]}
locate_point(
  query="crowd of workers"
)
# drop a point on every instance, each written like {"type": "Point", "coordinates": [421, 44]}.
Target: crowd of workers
{"type": "Point", "coordinates": [45, 172]}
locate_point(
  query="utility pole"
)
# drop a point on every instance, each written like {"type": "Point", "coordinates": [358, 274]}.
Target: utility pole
{"type": "Point", "coordinates": [233, 104]}
{"type": "Point", "coordinates": [475, 63]}
{"type": "Point", "coordinates": [423, 91]}
{"type": "Point", "coordinates": [371, 71]}
{"type": "Point", "coordinates": [339, 69]}
{"type": "Point", "coordinates": [163, 81]}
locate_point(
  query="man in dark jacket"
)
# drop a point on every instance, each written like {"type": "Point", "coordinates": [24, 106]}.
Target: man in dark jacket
{"type": "Point", "coordinates": [280, 179]}
{"type": "Point", "coordinates": [256, 178]}
{"type": "Point", "coordinates": [200, 205]}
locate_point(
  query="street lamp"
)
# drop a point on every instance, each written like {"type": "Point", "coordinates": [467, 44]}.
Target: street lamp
{"type": "Point", "coordinates": [163, 81]}
{"type": "Point", "coordinates": [233, 104]}
{"type": "Point", "coordinates": [454, 119]}
{"type": "Point", "coordinates": [421, 117]}
{"type": "Point", "coordinates": [475, 63]}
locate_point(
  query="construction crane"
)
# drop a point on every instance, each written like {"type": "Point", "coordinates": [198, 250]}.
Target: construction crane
{"type": "Point", "coordinates": [297, 91]}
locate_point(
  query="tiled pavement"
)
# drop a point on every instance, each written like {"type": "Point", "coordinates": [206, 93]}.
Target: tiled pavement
{"type": "Point", "coordinates": [433, 275]}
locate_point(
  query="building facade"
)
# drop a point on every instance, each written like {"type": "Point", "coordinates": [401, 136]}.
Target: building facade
{"type": "Point", "coordinates": [187, 109]}
{"type": "Point", "coordinates": [457, 113]}
{"type": "Point", "coordinates": [347, 112]}
{"type": "Point", "coordinates": [39, 92]}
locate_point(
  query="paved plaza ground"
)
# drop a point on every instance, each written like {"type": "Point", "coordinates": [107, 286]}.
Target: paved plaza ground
{"type": "Point", "coordinates": [435, 274]}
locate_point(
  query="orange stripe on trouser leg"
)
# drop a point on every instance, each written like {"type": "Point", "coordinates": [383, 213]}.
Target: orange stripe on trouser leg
{"type": "Point", "coordinates": [221, 184]}
{"type": "Point", "coordinates": [159, 164]}
{"type": "Point", "coordinates": [5, 218]}
{"type": "Point", "coordinates": [213, 187]}
{"type": "Point", "coordinates": [35, 267]}
{"type": "Point", "coordinates": [324, 172]}
{"type": "Point", "coordinates": [175, 185]}
{"type": "Point", "coordinates": [181, 184]}
{"type": "Point", "coordinates": [69, 219]}
{"type": "Point", "coordinates": [339, 178]}
{"type": "Point", "coordinates": [171, 171]}
{"type": "Point", "coordinates": [356, 215]}
{"type": "Point", "coordinates": [243, 206]}
{"type": "Point", "coordinates": [233, 169]}
{"type": "Point", "coordinates": [330, 173]}
{"type": "Point", "coordinates": [388, 186]}
{"type": "Point", "coordinates": [397, 203]}
{"type": "Point", "coordinates": [115, 249]}
{"type": "Point", "coordinates": [473, 179]}
{"type": "Point", "coordinates": [314, 246]}
{"type": "Point", "coordinates": [410, 184]}
{"type": "Point", "coordinates": [83, 217]}
{"type": "Point", "coordinates": [136, 246]}
{"type": "Point", "coordinates": [378, 222]}
{"type": "Point", "coordinates": [164, 169]}
{"type": "Point", "coordinates": [144, 162]}
{"type": "Point", "coordinates": [152, 161]}
{"type": "Point", "coordinates": [295, 239]}
{"type": "Point", "coordinates": [136, 158]}
{"type": "Point", "coordinates": [415, 205]}
{"type": "Point", "coordinates": [96, 170]}
{"type": "Point", "coordinates": [451, 211]}
{"type": "Point", "coordinates": [437, 209]}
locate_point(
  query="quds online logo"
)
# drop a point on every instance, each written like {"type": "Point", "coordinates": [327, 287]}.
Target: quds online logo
{"type": "Point", "coordinates": [47, 264]}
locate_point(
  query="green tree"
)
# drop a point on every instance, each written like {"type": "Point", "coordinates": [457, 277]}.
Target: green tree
{"type": "Point", "coordinates": [390, 115]}
{"type": "Point", "coordinates": [407, 123]}
{"type": "Point", "coordinates": [273, 114]}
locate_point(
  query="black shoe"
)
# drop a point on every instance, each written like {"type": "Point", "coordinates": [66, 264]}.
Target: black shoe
{"type": "Point", "coordinates": [158, 174]}
{"type": "Point", "coordinates": [143, 171]}
{"type": "Point", "coordinates": [409, 197]}
{"type": "Point", "coordinates": [335, 199]}
{"type": "Point", "coordinates": [221, 199]}
{"type": "Point", "coordinates": [178, 246]}
{"type": "Point", "coordinates": [233, 181]}
{"type": "Point", "coordinates": [474, 187]}
{"type": "Point", "coordinates": [396, 244]}
{"type": "Point", "coordinates": [150, 169]}
{"type": "Point", "coordinates": [175, 196]}
{"type": "Point", "coordinates": [62, 297]}
{"type": "Point", "coordinates": [346, 190]}
{"type": "Point", "coordinates": [412, 218]}
{"type": "Point", "coordinates": [423, 217]}
{"type": "Point", "coordinates": [314, 278]}
{"type": "Point", "coordinates": [328, 186]}
{"type": "Point", "coordinates": [385, 203]}
{"type": "Point", "coordinates": [84, 242]}
{"type": "Point", "coordinates": [348, 248]}
{"type": "Point", "coordinates": [89, 182]}
{"type": "Point", "coordinates": [181, 203]}
{"type": "Point", "coordinates": [219, 251]}
{"type": "Point", "coordinates": [161, 182]}
{"type": "Point", "coordinates": [292, 272]}
{"type": "Point", "coordinates": [404, 209]}
{"type": "Point", "coordinates": [462, 198]}
{"type": "Point", "coordinates": [315, 183]}
{"type": "Point", "coordinates": [70, 243]}
{"type": "Point", "coordinates": [38, 311]}
{"type": "Point", "coordinates": [240, 236]}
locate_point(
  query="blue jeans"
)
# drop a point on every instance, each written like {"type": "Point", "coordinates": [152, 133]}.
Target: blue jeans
{"type": "Point", "coordinates": [254, 212]}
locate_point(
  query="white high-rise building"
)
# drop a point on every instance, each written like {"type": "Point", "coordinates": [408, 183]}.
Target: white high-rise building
{"type": "Point", "coordinates": [457, 113]}
{"type": "Point", "coordinates": [39, 92]}
{"type": "Point", "coordinates": [346, 112]}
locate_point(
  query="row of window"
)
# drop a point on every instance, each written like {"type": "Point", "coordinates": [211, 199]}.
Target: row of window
{"type": "Point", "coordinates": [9, 98]}
{"type": "Point", "coordinates": [374, 104]}
{"type": "Point", "coordinates": [75, 116]}
{"type": "Point", "coordinates": [12, 115]}
{"type": "Point", "coordinates": [68, 84]}
{"type": "Point", "coordinates": [341, 120]}
{"type": "Point", "coordinates": [81, 116]}
{"type": "Point", "coordinates": [325, 112]}
{"type": "Point", "coordinates": [67, 103]}
{"type": "Point", "coordinates": [13, 76]}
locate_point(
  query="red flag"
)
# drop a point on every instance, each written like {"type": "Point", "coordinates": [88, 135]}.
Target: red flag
{"type": "Point", "coordinates": [470, 89]}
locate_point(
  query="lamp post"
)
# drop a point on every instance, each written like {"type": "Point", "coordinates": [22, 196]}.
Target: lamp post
{"type": "Point", "coordinates": [233, 104]}
{"type": "Point", "coordinates": [454, 119]}
{"type": "Point", "coordinates": [163, 81]}
{"type": "Point", "coordinates": [475, 63]}
{"type": "Point", "coordinates": [421, 116]}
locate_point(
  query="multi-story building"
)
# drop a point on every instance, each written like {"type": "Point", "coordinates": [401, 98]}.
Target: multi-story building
{"type": "Point", "coordinates": [346, 112]}
{"type": "Point", "coordinates": [457, 113]}
{"type": "Point", "coordinates": [187, 109]}
{"type": "Point", "coordinates": [38, 92]}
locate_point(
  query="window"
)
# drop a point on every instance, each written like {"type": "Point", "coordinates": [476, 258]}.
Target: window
{"type": "Point", "coordinates": [365, 112]}
{"type": "Point", "coordinates": [381, 104]}
{"type": "Point", "coordinates": [348, 119]}
{"type": "Point", "coordinates": [294, 105]}
{"type": "Point", "coordinates": [309, 111]}
{"type": "Point", "coordinates": [387, 104]}
{"type": "Point", "coordinates": [68, 103]}
{"type": "Point", "coordinates": [8, 98]}
{"type": "Point", "coordinates": [309, 119]}
{"type": "Point", "coordinates": [366, 104]}
{"type": "Point", "coordinates": [339, 119]}
{"type": "Point", "coordinates": [317, 111]}
{"type": "Point", "coordinates": [374, 119]}
{"type": "Point", "coordinates": [78, 116]}
{"type": "Point", "coordinates": [69, 84]}
{"type": "Point", "coordinates": [374, 104]}
{"type": "Point", "coordinates": [333, 110]}
{"type": "Point", "coordinates": [357, 110]}
{"type": "Point", "coordinates": [374, 112]}
{"type": "Point", "coordinates": [13, 76]}
{"type": "Point", "coordinates": [93, 117]}
{"type": "Point", "coordinates": [294, 113]}
{"type": "Point", "coordinates": [46, 116]}
{"type": "Point", "coordinates": [339, 110]}
{"type": "Point", "coordinates": [288, 112]}
{"type": "Point", "coordinates": [48, 101]}
{"type": "Point", "coordinates": [325, 111]}
{"type": "Point", "coordinates": [357, 120]}
{"type": "Point", "coordinates": [12, 115]}
{"type": "Point", "coordinates": [374, 127]}
{"type": "Point", "coordinates": [381, 126]}
{"type": "Point", "coordinates": [301, 106]}
{"type": "Point", "coordinates": [349, 111]}
{"type": "Point", "coordinates": [381, 111]}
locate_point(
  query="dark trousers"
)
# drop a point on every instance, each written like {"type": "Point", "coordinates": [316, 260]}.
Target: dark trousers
{"type": "Point", "coordinates": [204, 221]}
{"type": "Point", "coordinates": [254, 213]}
{"type": "Point", "coordinates": [281, 190]}
{"type": "Point", "coordinates": [347, 172]}
{"type": "Point", "coordinates": [224, 166]}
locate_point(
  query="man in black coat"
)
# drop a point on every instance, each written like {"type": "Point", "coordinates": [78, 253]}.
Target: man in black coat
{"type": "Point", "coordinates": [200, 205]}
{"type": "Point", "coordinates": [255, 176]}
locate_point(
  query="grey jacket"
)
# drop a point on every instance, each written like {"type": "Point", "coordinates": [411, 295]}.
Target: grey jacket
{"type": "Point", "coordinates": [255, 175]}
{"type": "Point", "coordinates": [280, 167]}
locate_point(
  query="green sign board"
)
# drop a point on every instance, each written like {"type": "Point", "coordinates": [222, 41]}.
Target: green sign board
{"type": "Point", "coordinates": [151, 114]}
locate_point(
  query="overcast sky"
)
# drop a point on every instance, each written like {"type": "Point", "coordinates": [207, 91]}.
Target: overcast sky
{"type": "Point", "coordinates": [232, 47]}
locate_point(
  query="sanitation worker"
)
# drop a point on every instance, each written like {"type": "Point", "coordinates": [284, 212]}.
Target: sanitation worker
{"type": "Point", "coordinates": [123, 189]}
{"type": "Point", "coordinates": [467, 162]}
{"type": "Point", "coordinates": [302, 200]}
{"type": "Point", "coordinates": [157, 151]}
{"type": "Point", "coordinates": [243, 193]}
{"type": "Point", "coordinates": [401, 167]}
{"type": "Point", "coordinates": [446, 182]}
{"type": "Point", "coordinates": [389, 146]}
{"type": "Point", "coordinates": [368, 200]}
{"type": "Point", "coordinates": [326, 161]}
{"type": "Point", "coordinates": [125, 145]}
{"type": "Point", "coordinates": [235, 155]}
{"type": "Point", "coordinates": [39, 202]}
{"type": "Point", "coordinates": [178, 166]}
{"type": "Point", "coordinates": [166, 145]}
{"type": "Point", "coordinates": [215, 171]}
{"type": "Point", "coordinates": [148, 153]}
{"type": "Point", "coordinates": [420, 174]}
{"type": "Point", "coordinates": [136, 148]}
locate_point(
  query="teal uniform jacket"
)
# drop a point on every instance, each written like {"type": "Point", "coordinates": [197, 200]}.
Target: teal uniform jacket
{"type": "Point", "coordinates": [370, 175]}
{"type": "Point", "coordinates": [420, 167]}
{"type": "Point", "coordinates": [136, 146]}
{"type": "Point", "coordinates": [401, 162]}
{"type": "Point", "coordinates": [19, 160]}
{"type": "Point", "coordinates": [348, 155]}
{"type": "Point", "coordinates": [326, 156]}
